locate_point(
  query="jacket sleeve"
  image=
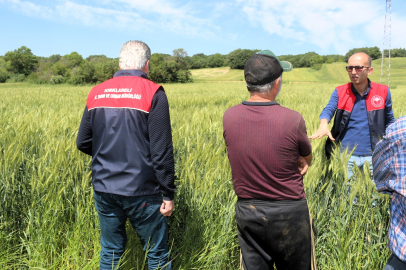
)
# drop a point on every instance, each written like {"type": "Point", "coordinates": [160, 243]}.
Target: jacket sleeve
{"type": "Point", "coordinates": [329, 110]}
{"type": "Point", "coordinates": [85, 138]}
{"type": "Point", "coordinates": [160, 137]}
{"type": "Point", "coordinates": [389, 117]}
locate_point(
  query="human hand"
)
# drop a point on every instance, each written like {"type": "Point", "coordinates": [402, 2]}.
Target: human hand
{"type": "Point", "coordinates": [303, 166]}
{"type": "Point", "coordinates": [167, 208]}
{"type": "Point", "coordinates": [322, 131]}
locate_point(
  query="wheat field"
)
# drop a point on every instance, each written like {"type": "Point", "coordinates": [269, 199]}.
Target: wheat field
{"type": "Point", "coordinates": [47, 216]}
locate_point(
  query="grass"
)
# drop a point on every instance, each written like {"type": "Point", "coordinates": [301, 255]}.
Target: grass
{"type": "Point", "coordinates": [224, 74]}
{"type": "Point", "coordinates": [398, 71]}
{"type": "Point", "coordinates": [329, 73]}
{"type": "Point", "coordinates": [47, 215]}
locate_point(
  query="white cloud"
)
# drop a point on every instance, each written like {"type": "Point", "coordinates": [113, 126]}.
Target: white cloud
{"type": "Point", "coordinates": [334, 26]}
{"type": "Point", "coordinates": [398, 32]}
{"type": "Point", "coordinates": [169, 16]}
{"type": "Point", "coordinates": [29, 8]}
{"type": "Point", "coordinates": [121, 14]}
{"type": "Point", "coordinates": [162, 7]}
{"type": "Point", "coordinates": [341, 24]}
{"type": "Point", "coordinates": [398, 26]}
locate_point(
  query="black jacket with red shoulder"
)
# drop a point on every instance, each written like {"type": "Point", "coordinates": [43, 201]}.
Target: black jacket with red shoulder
{"type": "Point", "coordinates": [126, 129]}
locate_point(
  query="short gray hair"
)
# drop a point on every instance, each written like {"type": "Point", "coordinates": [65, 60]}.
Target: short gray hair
{"type": "Point", "coordinates": [134, 54]}
{"type": "Point", "coordinates": [261, 89]}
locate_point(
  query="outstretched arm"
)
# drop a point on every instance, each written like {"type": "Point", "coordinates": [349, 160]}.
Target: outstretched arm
{"type": "Point", "coordinates": [325, 117]}
{"type": "Point", "coordinates": [322, 131]}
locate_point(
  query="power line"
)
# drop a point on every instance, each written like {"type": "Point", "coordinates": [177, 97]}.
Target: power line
{"type": "Point", "coordinates": [385, 63]}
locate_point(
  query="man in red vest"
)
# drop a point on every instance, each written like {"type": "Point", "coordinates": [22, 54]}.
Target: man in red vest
{"type": "Point", "coordinates": [126, 129]}
{"type": "Point", "coordinates": [363, 110]}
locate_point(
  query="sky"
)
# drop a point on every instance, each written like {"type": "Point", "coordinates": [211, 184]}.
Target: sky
{"type": "Point", "coordinates": [282, 26]}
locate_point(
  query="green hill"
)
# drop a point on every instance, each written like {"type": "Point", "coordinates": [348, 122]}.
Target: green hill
{"type": "Point", "coordinates": [217, 74]}
{"type": "Point", "coordinates": [329, 73]}
{"type": "Point", "coordinates": [397, 72]}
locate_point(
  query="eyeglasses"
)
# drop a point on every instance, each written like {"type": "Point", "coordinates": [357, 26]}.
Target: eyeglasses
{"type": "Point", "coordinates": [357, 68]}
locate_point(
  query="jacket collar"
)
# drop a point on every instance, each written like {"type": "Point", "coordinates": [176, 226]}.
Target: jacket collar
{"type": "Point", "coordinates": [355, 91]}
{"type": "Point", "coordinates": [131, 72]}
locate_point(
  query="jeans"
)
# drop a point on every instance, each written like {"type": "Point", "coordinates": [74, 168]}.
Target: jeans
{"type": "Point", "coordinates": [145, 217]}
{"type": "Point", "coordinates": [395, 264]}
{"type": "Point", "coordinates": [359, 161]}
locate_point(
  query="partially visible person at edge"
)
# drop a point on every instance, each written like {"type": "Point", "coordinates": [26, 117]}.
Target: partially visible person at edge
{"type": "Point", "coordinates": [389, 161]}
{"type": "Point", "coordinates": [126, 129]}
{"type": "Point", "coordinates": [363, 110]}
{"type": "Point", "coordinates": [264, 142]}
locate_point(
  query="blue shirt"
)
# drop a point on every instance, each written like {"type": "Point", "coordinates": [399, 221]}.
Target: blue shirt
{"type": "Point", "coordinates": [357, 133]}
{"type": "Point", "coordinates": [389, 161]}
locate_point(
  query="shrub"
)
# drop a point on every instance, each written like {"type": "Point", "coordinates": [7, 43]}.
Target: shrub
{"type": "Point", "coordinates": [17, 78]}
{"type": "Point", "coordinates": [74, 59]}
{"type": "Point", "coordinates": [57, 79]}
{"type": "Point", "coordinates": [216, 60]}
{"type": "Point", "coordinates": [21, 61]}
{"type": "Point", "coordinates": [239, 57]}
{"type": "Point", "coordinates": [77, 80]}
{"type": "Point", "coordinates": [184, 76]}
{"type": "Point", "coordinates": [105, 70]}
{"type": "Point", "coordinates": [59, 68]}
{"type": "Point", "coordinates": [164, 70]}
{"type": "Point", "coordinates": [20, 78]}
{"type": "Point", "coordinates": [3, 75]}
{"type": "Point", "coordinates": [373, 52]}
{"type": "Point", "coordinates": [82, 74]}
{"type": "Point", "coordinates": [316, 66]}
{"type": "Point", "coordinates": [35, 78]}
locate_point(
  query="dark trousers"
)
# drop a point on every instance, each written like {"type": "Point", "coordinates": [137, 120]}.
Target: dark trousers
{"type": "Point", "coordinates": [394, 263]}
{"type": "Point", "coordinates": [274, 233]}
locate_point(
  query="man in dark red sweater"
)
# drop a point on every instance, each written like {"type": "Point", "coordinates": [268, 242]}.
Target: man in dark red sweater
{"type": "Point", "coordinates": [269, 153]}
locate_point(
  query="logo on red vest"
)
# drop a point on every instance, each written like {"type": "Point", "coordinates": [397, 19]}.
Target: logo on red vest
{"type": "Point", "coordinates": [377, 101]}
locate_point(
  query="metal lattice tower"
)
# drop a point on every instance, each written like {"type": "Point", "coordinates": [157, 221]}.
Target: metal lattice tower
{"type": "Point", "coordinates": [385, 64]}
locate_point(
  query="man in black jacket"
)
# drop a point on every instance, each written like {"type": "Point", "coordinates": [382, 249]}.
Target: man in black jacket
{"type": "Point", "coordinates": [126, 129]}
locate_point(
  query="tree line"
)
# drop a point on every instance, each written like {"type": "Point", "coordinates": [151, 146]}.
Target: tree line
{"type": "Point", "coordinates": [22, 65]}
